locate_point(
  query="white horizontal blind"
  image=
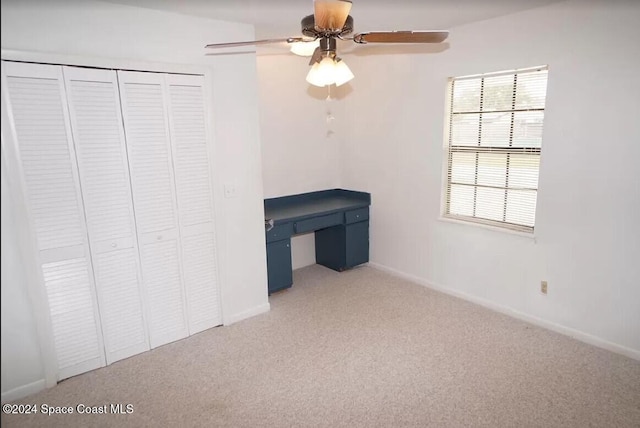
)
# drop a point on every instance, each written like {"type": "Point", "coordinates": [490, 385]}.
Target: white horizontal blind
{"type": "Point", "coordinates": [96, 121]}
{"type": "Point", "coordinates": [37, 101]}
{"type": "Point", "coordinates": [494, 144]}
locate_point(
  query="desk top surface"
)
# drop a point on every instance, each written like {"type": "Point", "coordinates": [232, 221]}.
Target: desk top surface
{"type": "Point", "coordinates": [305, 205]}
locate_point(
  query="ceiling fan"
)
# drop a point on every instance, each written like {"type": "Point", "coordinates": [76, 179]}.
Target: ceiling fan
{"type": "Point", "coordinates": [331, 21]}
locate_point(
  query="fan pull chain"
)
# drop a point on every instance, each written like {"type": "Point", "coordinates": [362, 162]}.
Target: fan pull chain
{"type": "Point", "coordinates": [329, 118]}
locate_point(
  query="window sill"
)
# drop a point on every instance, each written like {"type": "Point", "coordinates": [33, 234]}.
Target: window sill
{"type": "Point", "coordinates": [489, 227]}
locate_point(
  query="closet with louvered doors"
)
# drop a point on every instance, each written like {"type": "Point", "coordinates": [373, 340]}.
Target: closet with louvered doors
{"type": "Point", "coordinates": [147, 131]}
{"type": "Point", "coordinates": [165, 124]}
{"type": "Point", "coordinates": [40, 129]}
{"type": "Point", "coordinates": [191, 161]}
{"type": "Point", "coordinates": [115, 170]}
{"type": "Point", "coordinates": [96, 123]}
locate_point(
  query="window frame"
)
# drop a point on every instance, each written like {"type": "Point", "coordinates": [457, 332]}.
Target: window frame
{"type": "Point", "coordinates": [503, 225]}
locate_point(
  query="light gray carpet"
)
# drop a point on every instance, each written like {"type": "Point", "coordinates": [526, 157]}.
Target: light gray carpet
{"type": "Point", "coordinates": [361, 349]}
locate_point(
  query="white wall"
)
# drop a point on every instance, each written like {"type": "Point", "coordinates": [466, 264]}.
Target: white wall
{"type": "Point", "coordinates": [300, 148]}
{"type": "Point", "coordinates": [22, 366]}
{"type": "Point", "coordinates": [298, 154]}
{"type": "Point", "coordinates": [587, 239]}
{"type": "Point", "coordinates": [103, 33]}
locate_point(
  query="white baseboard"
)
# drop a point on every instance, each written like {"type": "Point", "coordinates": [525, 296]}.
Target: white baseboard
{"type": "Point", "coordinates": [558, 328]}
{"type": "Point", "coordinates": [23, 391]}
{"type": "Point", "coordinates": [228, 320]}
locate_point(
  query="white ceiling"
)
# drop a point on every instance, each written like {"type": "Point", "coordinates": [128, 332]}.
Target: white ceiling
{"type": "Point", "coordinates": [281, 18]}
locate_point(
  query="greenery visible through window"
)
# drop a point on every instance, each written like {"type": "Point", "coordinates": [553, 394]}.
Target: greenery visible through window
{"type": "Point", "coordinates": [494, 143]}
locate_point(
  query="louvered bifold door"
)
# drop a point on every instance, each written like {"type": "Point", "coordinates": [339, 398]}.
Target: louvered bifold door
{"type": "Point", "coordinates": [37, 108]}
{"type": "Point", "coordinates": [147, 133]}
{"type": "Point", "coordinates": [191, 161]}
{"type": "Point", "coordinates": [96, 122]}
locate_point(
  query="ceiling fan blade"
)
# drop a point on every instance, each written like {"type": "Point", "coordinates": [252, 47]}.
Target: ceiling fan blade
{"type": "Point", "coordinates": [401, 37]}
{"type": "Point", "coordinates": [331, 14]}
{"type": "Point", "coordinates": [255, 42]}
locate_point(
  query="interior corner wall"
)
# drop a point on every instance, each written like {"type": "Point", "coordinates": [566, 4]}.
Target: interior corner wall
{"type": "Point", "coordinates": [300, 141]}
{"type": "Point", "coordinates": [126, 35]}
{"type": "Point", "coordinates": [22, 367]}
{"type": "Point", "coordinates": [587, 232]}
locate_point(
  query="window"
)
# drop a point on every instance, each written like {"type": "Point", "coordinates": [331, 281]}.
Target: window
{"type": "Point", "coordinates": [493, 147]}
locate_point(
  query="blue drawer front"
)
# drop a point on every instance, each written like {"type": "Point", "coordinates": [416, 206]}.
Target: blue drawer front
{"type": "Point", "coordinates": [318, 223]}
{"type": "Point", "coordinates": [355, 216]}
{"type": "Point", "coordinates": [280, 232]}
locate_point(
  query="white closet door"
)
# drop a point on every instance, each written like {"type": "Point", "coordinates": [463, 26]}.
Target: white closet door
{"type": "Point", "coordinates": [96, 122]}
{"type": "Point", "coordinates": [147, 133]}
{"type": "Point", "coordinates": [191, 161]}
{"type": "Point", "coordinates": [37, 108]}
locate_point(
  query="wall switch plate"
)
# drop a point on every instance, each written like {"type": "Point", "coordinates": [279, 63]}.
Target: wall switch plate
{"type": "Point", "coordinates": [543, 287]}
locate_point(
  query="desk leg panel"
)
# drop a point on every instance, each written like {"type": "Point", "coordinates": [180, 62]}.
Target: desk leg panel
{"type": "Point", "coordinates": [331, 248]}
{"type": "Point", "coordinates": [343, 247]}
{"type": "Point", "coordinates": [357, 243]}
{"type": "Point", "coordinates": [279, 269]}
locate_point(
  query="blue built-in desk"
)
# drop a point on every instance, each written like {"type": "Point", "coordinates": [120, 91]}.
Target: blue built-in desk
{"type": "Point", "coordinates": [339, 218]}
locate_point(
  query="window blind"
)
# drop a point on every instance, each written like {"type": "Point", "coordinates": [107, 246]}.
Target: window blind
{"type": "Point", "coordinates": [494, 144]}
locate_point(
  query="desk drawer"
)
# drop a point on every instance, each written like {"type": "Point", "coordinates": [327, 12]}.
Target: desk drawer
{"type": "Point", "coordinates": [317, 223]}
{"type": "Point", "coordinates": [355, 216]}
{"type": "Point", "coordinates": [280, 232]}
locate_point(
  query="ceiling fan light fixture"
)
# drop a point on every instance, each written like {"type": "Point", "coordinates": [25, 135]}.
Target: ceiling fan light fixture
{"type": "Point", "coordinates": [304, 48]}
{"type": "Point", "coordinates": [329, 72]}
{"type": "Point", "coordinates": [342, 73]}
{"type": "Point", "coordinates": [326, 67]}
{"type": "Point", "coordinates": [330, 22]}
{"type": "Point", "coordinates": [321, 74]}
{"type": "Point", "coordinates": [315, 78]}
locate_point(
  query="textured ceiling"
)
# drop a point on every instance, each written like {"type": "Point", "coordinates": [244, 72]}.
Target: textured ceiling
{"type": "Point", "coordinates": [281, 18]}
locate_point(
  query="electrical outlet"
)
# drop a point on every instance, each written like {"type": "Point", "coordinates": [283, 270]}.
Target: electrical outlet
{"type": "Point", "coordinates": [543, 287]}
